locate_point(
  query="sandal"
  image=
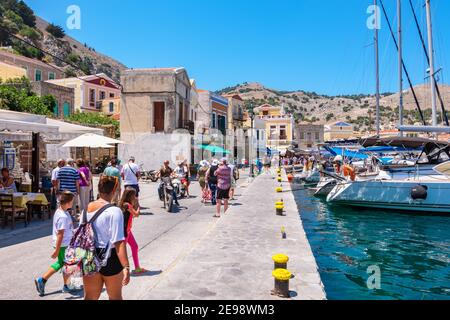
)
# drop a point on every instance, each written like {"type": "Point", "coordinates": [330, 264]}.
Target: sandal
{"type": "Point", "coordinates": [216, 216]}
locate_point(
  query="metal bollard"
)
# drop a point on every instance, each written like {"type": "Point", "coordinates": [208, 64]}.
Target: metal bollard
{"type": "Point", "coordinates": [280, 261]}
{"type": "Point", "coordinates": [282, 277]}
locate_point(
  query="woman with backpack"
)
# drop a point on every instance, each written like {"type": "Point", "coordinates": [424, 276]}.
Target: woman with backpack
{"type": "Point", "coordinates": [110, 245]}
{"type": "Point", "coordinates": [128, 204]}
{"type": "Point", "coordinates": [211, 180]}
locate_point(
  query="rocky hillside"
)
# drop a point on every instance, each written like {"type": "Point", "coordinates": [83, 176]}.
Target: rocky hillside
{"type": "Point", "coordinates": [357, 109]}
{"type": "Point", "coordinates": [18, 19]}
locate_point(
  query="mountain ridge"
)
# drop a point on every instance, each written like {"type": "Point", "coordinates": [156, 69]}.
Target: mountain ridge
{"type": "Point", "coordinates": [357, 109]}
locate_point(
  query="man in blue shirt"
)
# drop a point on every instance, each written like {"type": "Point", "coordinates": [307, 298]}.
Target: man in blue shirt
{"type": "Point", "coordinates": [69, 180]}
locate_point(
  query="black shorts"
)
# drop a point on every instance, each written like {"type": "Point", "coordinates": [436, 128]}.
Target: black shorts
{"type": "Point", "coordinates": [135, 187]}
{"type": "Point", "coordinates": [223, 194]}
{"type": "Point", "coordinates": [113, 266]}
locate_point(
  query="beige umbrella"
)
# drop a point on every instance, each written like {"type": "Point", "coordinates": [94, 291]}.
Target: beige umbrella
{"type": "Point", "coordinates": [91, 140]}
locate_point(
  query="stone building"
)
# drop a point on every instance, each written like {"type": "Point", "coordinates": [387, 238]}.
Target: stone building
{"type": "Point", "coordinates": [279, 127]}
{"type": "Point", "coordinates": [93, 93]}
{"type": "Point", "coordinates": [156, 102]}
{"type": "Point", "coordinates": [36, 70]}
{"type": "Point", "coordinates": [309, 135]}
{"type": "Point", "coordinates": [338, 130]}
{"type": "Point", "coordinates": [64, 97]}
{"type": "Point", "coordinates": [9, 71]}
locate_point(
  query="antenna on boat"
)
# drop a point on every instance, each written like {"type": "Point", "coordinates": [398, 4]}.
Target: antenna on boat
{"type": "Point", "coordinates": [377, 69]}
{"type": "Point", "coordinates": [400, 64]}
{"type": "Point", "coordinates": [431, 55]}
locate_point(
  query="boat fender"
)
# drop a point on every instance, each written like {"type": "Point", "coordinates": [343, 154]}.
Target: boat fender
{"type": "Point", "coordinates": [419, 192]}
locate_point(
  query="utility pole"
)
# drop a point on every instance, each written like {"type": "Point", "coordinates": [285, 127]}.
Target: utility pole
{"type": "Point", "coordinates": [377, 69]}
{"type": "Point", "coordinates": [400, 64]}
{"type": "Point", "coordinates": [431, 54]}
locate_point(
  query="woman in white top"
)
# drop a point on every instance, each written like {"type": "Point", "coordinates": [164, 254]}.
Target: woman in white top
{"type": "Point", "coordinates": [110, 245]}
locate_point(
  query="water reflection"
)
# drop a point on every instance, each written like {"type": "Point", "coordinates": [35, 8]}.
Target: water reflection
{"type": "Point", "coordinates": [412, 251]}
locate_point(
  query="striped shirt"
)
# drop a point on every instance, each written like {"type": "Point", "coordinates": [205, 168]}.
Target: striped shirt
{"type": "Point", "coordinates": [68, 177]}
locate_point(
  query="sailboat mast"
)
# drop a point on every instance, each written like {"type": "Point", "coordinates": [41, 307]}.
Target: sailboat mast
{"type": "Point", "coordinates": [400, 64]}
{"type": "Point", "coordinates": [377, 68]}
{"type": "Point", "coordinates": [431, 54]}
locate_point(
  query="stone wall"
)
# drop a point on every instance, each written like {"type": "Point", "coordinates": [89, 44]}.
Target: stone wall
{"type": "Point", "coordinates": [151, 150]}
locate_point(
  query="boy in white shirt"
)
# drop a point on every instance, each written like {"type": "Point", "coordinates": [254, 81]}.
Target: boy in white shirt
{"type": "Point", "coordinates": [62, 235]}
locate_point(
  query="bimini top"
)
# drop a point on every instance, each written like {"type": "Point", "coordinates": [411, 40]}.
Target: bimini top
{"type": "Point", "coordinates": [436, 151]}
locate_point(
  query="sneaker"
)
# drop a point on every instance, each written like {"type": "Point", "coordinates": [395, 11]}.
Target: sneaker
{"type": "Point", "coordinates": [40, 286]}
{"type": "Point", "coordinates": [67, 289]}
{"type": "Point", "coordinates": [139, 271]}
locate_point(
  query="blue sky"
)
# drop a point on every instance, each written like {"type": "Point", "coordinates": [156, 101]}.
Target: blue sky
{"type": "Point", "coordinates": [321, 46]}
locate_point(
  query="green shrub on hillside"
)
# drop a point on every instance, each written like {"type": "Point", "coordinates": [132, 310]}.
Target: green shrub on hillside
{"type": "Point", "coordinates": [55, 30]}
{"type": "Point", "coordinates": [94, 119]}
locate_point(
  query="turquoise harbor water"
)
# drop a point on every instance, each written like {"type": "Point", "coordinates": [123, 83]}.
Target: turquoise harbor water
{"type": "Point", "coordinates": [412, 251]}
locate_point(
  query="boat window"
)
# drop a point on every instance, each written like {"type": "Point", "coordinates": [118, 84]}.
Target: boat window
{"type": "Point", "coordinates": [423, 158]}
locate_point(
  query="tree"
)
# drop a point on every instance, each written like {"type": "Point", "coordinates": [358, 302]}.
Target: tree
{"type": "Point", "coordinates": [26, 13]}
{"type": "Point", "coordinates": [55, 30]}
{"type": "Point", "coordinates": [94, 119]}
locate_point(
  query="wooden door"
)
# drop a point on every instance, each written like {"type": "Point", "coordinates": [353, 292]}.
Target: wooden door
{"type": "Point", "coordinates": [158, 116]}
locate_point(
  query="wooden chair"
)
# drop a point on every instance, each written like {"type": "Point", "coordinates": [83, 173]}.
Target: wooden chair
{"type": "Point", "coordinates": [8, 209]}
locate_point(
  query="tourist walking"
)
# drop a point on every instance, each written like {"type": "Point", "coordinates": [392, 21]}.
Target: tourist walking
{"type": "Point", "coordinates": [131, 175]}
{"type": "Point", "coordinates": [62, 235]}
{"type": "Point", "coordinates": [201, 175]}
{"type": "Point", "coordinates": [211, 180]}
{"type": "Point", "coordinates": [223, 174]}
{"type": "Point", "coordinates": [54, 200]}
{"type": "Point", "coordinates": [182, 175]}
{"type": "Point", "coordinates": [130, 211]}
{"type": "Point", "coordinates": [110, 245]}
{"type": "Point", "coordinates": [85, 185]}
{"type": "Point", "coordinates": [234, 179]}
{"type": "Point", "coordinates": [7, 182]}
{"type": "Point", "coordinates": [113, 171]}
{"type": "Point", "coordinates": [69, 180]}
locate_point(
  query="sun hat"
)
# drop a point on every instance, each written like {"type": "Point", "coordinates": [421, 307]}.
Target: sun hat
{"type": "Point", "coordinates": [215, 162]}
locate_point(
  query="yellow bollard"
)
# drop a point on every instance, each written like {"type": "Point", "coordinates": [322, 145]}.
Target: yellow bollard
{"type": "Point", "coordinates": [279, 206]}
{"type": "Point", "coordinates": [280, 261]}
{"type": "Point", "coordinates": [279, 189]}
{"type": "Point", "coordinates": [282, 277]}
{"type": "Point", "coordinates": [279, 179]}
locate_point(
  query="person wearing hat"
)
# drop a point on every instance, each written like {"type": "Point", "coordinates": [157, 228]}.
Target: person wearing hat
{"type": "Point", "coordinates": [211, 180]}
{"type": "Point", "coordinates": [131, 175]}
{"type": "Point", "coordinates": [204, 167]}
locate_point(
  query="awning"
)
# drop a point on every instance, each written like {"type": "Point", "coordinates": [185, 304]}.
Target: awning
{"type": "Point", "coordinates": [68, 131]}
{"type": "Point", "coordinates": [90, 140]}
{"type": "Point", "coordinates": [214, 149]}
{"type": "Point", "coordinates": [15, 126]}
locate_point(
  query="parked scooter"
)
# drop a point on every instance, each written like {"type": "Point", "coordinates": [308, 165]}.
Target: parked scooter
{"type": "Point", "coordinates": [148, 175]}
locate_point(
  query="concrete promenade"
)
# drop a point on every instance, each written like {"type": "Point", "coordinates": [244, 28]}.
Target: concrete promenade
{"type": "Point", "coordinates": [190, 254]}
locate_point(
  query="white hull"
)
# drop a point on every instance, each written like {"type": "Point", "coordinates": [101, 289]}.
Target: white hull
{"type": "Point", "coordinates": [394, 194]}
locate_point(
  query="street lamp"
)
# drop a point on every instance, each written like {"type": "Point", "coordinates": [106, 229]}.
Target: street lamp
{"type": "Point", "coordinates": [251, 113]}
